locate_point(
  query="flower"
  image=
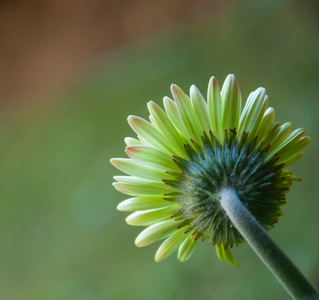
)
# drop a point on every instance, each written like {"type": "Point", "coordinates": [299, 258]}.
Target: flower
{"type": "Point", "coordinates": [188, 152]}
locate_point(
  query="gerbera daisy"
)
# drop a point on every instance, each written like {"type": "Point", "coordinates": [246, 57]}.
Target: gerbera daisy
{"type": "Point", "coordinates": [190, 152]}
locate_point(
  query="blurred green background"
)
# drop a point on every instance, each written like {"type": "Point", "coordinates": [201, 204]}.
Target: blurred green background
{"type": "Point", "coordinates": [61, 236]}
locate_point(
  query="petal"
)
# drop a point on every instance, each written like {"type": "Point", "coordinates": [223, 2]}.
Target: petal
{"type": "Point", "coordinates": [215, 108]}
{"type": "Point", "coordinates": [152, 216]}
{"type": "Point", "coordinates": [143, 203]}
{"type": "Point", "coordinates": [149, 134]}
{"type": "Point", "coordinates": [253, 112]}
{"type": "Point", "coordinates": [293, 160]}
{"type": "Point", "coordinates": [230, 258]}
{"type": "Point", "coordinates": [271, 134]}
{"type": "Point", "coordinates": [163, 123]}
{"type": "Point", "coordinates": [173, 113]}
{"type": "Point", "coordinates": [281, 136]}
{"type": "Point", "coordinates": [156, 232]}
{"type": "Point", "coordinates": [259, 115]}
{"type": "Point", "coordinates": [292, 149]}
{"type": "Point", "coordinates": [231, 102]}
{"type": "Point", "coordinates": [152, 156]}
{"type": "Point", "coordinates": [170, 245]}
{"type": "Point", "coordinates": [293, 138]}
{"type": "Point", "coordinates": [200, 108]}
{"type": "Point", "coordinates": [248, 104]}
{"type": "Point", "coordinates": [187, 113]}
{"type": "Point", "coordinates": [265, 124]}
{"type": "Point", "coordinates": [138, 187]}
{"type": "Point", "coordinates": [226, 254]}
{"type": "Point", "coordinates": [187, 248]}
{"type": "Point", "coordinates": [220, 252]}
{"type": "Point", "coordinates": [129, 141]}
{"type": "Point", "coordinates": [131, 167]}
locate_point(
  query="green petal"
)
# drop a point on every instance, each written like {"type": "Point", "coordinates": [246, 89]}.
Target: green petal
{"type": "Point", "coordinates": [266, 123]}
{"type": "Point", "coordinates": [149, 217]}
{"type": "Point", "coordinates": [292, 139]}
{"type": "Point", "coordinates": [200, 108]}
{"type": "Point", "coordinates": [258, 121]}
{"type": "Point", "coordinates": [175, 117]}
{"type": "Point", "coordinates": [230, 258]}
{"type": "Point", "coordinates": [215, 108]}
{"type": "Point", "coordinates": [187, 113]}
{"type": "Point", "coordinates": [284, 185]}
{"type": "Point", "coordinates": [187, 248]}
{"type": "Point", "coordinates": [151, 156]}
{"type": "Point", "coordinates": [281, 136]}
{"type": "Point", "coordinates": [170, 245]}
{"type": "Point", "coordinates": [156, 232]}
{"type": "Point", "coordinates": [163, 123]}
{"type": "Point", "coordinates": [294, 178]}
{"type": "Point", "coordinates": [149, 134]}
{"type": "Point", "coordinates": [253, 112]}
{"type": "Point", "coordinates": [289, 176]}
{"type": "Point", "coordinates": [226, 254]}
{"type": "Point", "coordinates": [293, 160]}
{"type": "Point", "coordinates": [271, 134]}
{"type": "Point", "coordinates": [129, 141]}
{"type": "Point", "coordinates": [291, 150]}
{"type": "Point", "coordinates": [131, 167]}
{"type": "Point", "coordinates": [138, 187]}
{"type": "Point", "coordinates": [143, 203]}
{"type": "Point", "coordinates": [248, 104]}
{"type": "Point", "coordinates": [231, 102]}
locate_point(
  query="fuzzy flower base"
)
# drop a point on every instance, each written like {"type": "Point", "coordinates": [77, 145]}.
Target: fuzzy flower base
{"type": "Point", "coordinates": [188, 153]}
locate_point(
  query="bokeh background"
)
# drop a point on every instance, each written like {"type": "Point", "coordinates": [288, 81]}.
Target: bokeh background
{"type": "Point", "coordinates": [71, 72]}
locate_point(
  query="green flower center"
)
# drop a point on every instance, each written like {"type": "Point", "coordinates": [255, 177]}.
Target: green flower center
{"type": "Point", "coordinates": [213, 167]}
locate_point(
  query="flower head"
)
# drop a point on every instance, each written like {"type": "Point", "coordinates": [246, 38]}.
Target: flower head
{"type": "Point", "coordinates": [193, 149]}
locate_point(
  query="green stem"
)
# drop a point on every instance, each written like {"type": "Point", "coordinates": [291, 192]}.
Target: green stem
{"type": "Point", "coordinates": [274, 258]}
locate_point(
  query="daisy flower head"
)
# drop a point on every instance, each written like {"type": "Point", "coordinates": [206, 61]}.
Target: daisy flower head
{"type": "Point", "coordinates": [193, 149]}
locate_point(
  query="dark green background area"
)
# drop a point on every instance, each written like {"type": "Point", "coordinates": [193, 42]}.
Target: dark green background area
{"type": "Point", "coordinates": [61, 236]}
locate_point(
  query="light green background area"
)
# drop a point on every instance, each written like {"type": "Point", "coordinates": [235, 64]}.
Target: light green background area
{"type": "Point", "coordinates": [61, 236]}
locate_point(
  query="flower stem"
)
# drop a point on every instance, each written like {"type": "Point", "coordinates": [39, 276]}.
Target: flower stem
{"type": "Point", "coordinates": [269, 252]}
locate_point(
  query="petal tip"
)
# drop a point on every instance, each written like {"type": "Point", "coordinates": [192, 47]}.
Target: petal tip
{"type": "Point", "coordinates": [158, 258]}
{"type": "Point", "coordinates": [230, 77]}
{"type": "Point", "coordinates": [114, 162]}
{"type": "Point", "coordinates": [129, 219]}
{"type": "Point", "coordinates": [175, 89]}
{"type": "Point", "coordinates": [213, 83]}
{"type": "Point", "coordinates": [120, 207]}
{"type": "Point", "coordinates": [130, 150]}
{"type": "Point", "coordinates": [150, 103]}
{"type": "Point", "coordinates": [139, 242]}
